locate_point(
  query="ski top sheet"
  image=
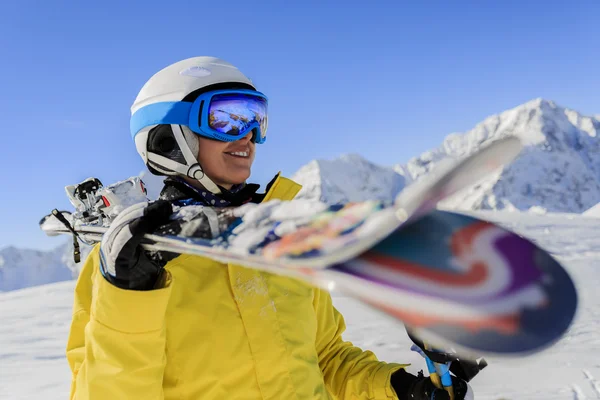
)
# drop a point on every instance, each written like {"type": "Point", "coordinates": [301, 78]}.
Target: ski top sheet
{"type": "Point", "coordinates": [462, 283]}
{"type": "Point", "coordinates": [450, 277]}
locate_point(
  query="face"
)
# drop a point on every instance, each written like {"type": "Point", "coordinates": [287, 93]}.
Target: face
{"type": "Point", "coordinates": [227, 163]}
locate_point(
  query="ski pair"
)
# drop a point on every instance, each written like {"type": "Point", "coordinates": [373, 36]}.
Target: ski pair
{"type": "Point", "coordinates": [457, 281]}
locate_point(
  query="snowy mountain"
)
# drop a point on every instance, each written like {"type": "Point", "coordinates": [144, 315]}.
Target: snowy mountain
{"type": "Point", "coordinates": [348, 178]}
{"type": "Point", "coordinates": [21, 268]}
{"type": "Point", "coordinates": [559, 170]}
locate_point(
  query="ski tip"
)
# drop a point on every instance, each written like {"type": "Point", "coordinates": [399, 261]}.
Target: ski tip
{"type": "Point", "coordinates": [49, 223]}
{"type": "Point", "coordinates": [451, 174]}
{"type": "Point", "coordinates": [506, 149]}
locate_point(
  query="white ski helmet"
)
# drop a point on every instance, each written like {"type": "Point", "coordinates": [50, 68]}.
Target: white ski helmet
{"type": "Point", "coordinates": [172, 150]}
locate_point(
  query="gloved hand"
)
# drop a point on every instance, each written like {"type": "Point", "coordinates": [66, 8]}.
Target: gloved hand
{"type": "Point", "coordinates": [410, 387]}
{"type": "Point", "coordinates": [123, 262]}
{"type": "Point", "coordinates": [465, 369]}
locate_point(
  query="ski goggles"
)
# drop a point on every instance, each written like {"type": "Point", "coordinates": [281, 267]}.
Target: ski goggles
{"type": "Point", "coordinates": [225, 115]}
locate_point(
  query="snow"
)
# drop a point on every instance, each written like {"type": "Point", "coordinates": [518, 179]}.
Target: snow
{"type": "Point", "coordinates": [593, 211]}
{"type": "Point", "coordinates": [348, 178]}
{"type": "Point", "coordinates": [122, 194]}
{"type": "Point", "coordinates": [25, 267]}
{"type": "Point", "coordinates": [559, 170]}
{"type": "Point", "coordinates": [36, 321]}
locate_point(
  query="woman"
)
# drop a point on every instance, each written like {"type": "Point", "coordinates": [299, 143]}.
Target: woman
{"type": "Point", "coordinates": [163, 326]}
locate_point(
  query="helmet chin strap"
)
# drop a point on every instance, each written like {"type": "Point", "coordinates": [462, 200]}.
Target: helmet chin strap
{"type": "Point", "coordinates": [195, 170]}
{"type": "Point", "coordinates": [192, 167]}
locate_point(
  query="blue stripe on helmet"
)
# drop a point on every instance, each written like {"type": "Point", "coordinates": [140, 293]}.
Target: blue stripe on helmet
{"type": "Point", "coordinates": [172, 112]}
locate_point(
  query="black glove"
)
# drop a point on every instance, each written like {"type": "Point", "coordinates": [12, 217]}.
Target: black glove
{"type": "Point", "coordinates": [410, 387]}
{"type": "Point", "coordinates": [123, 262]}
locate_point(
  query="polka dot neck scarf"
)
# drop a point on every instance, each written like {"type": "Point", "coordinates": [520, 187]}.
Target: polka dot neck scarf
{"type": "Point", "coordinates": [181, 193]}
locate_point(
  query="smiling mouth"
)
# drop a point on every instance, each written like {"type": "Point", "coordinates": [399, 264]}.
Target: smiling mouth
{"type": "Point", "coordinates": [240, 154]}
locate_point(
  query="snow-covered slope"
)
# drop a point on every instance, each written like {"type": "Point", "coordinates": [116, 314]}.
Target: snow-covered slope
{"type": "Point", "coordinates": [593, 211]}
{"type": "Point", "coordinates": [35, 323]}
{"type": "Point", "coordinates": [559, 170]}
{"type": "Point", "coordinates": [21, 268]}
{"type": "Point", "coordinates": [347, 178]}
{"type": "Point", "coordinates": [33, 333]}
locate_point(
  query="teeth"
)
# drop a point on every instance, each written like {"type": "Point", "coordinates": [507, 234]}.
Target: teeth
{"type": "Point", "coordinates": [239, 153]}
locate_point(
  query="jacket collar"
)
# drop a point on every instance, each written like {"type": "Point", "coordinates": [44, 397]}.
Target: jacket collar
{"type": "Point", "coordinates": [181, 193]}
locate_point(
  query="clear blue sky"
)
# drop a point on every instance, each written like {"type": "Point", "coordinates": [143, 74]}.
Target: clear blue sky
{"type": "Point", "coordinates": [385, 79]}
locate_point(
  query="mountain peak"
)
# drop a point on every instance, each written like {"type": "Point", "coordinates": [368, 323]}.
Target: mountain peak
{"type": "Point", "coordinates": [539, 103]}
{"type": "Point", "coordinates": [24, 267]}
{"type": "Point", "coordinates": [538, 122]}
{"type": "Point", "coordinates": [349, 177]}
{"type": "Point", "coordinates": [559, 169]}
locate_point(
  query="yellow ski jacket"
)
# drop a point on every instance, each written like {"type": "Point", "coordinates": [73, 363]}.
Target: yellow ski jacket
{"type": "Point", "coordinates": [216, 331]}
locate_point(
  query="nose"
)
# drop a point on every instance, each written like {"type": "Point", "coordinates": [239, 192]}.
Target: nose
{"type": "Point", "coordinates": [248, 137]}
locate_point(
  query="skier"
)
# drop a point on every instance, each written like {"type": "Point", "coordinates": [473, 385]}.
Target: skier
{"type": "Point", "coordinates": [166, 326]}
